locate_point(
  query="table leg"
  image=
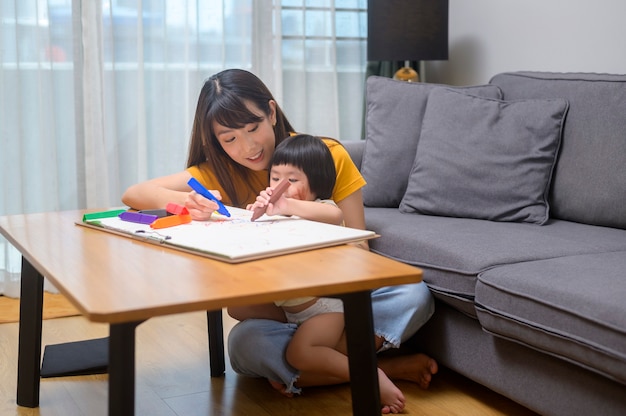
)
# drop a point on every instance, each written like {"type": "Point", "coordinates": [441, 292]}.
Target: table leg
{"type": "Point", "coordinates": [216, 342]}
{"type": "Point", "coordinates": [122, 369]}
{"type": "Point", "coordinates": [361, 353]}
{"type": "Point", "coordinates": [29, 347]}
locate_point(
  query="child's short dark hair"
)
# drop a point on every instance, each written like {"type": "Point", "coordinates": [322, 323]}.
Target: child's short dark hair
{"type": "Point", "coordinates": [311, 155]}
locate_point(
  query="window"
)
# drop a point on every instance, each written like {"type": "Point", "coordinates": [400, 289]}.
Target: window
{"type": "Point", "coordinates": [94, 99]}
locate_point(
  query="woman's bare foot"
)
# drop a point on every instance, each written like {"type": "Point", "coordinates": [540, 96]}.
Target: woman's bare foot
{"type": "Point", "coordinates": [281, 388]}
{"type": "Point", "coordinates": [391, 397]}
{"type": "Point", "coordinates": [417, 368]}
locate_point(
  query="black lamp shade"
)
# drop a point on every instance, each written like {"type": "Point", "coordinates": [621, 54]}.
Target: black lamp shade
{"type": "Point", "coordinates": [407, 30]}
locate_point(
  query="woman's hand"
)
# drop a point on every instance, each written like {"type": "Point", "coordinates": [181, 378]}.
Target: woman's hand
{"type": "Point", "coordinates": [199, 207]}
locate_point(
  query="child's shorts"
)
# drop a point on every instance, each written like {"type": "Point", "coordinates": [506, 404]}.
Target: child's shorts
{"type": "Point", "coordinates": [323, 305]}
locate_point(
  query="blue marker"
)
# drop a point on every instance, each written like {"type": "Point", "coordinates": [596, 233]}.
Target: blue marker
{"type": "Point", "coordinates": [197, 186]}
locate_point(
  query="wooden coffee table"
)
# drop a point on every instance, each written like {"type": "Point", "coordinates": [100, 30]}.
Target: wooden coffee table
{"type": "Point", "coordinates": [123, 282]}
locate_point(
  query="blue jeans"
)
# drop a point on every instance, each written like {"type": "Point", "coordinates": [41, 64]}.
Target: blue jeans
{"type": "Point", "coordinates": [256, 347]}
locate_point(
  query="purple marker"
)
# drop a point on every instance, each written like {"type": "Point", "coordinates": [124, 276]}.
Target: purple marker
{"type": "Point", "coordinates": [138, 217]}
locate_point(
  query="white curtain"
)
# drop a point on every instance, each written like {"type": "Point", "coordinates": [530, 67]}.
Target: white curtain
{"type": "Point", "coordinates": [96, 95]}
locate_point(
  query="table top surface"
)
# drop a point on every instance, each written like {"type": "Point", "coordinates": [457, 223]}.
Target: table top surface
{"type": "Point", "coordinates": [115, 279]}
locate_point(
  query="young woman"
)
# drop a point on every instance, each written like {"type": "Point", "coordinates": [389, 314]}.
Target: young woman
{"type": "Point", "coordinates": [236, 128]}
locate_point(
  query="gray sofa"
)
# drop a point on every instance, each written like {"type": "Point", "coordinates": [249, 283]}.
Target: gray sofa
{"type": "Point", "coordinates": [512, 199]}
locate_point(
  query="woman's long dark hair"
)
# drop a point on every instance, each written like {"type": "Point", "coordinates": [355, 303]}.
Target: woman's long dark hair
{"type": "Point", "coordinates": [311, 155]}
{"type": "Point", "coordinates": [223, 99]}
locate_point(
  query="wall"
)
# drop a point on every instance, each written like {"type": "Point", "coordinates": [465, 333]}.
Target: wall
{"type": "Point", "coordinates": [491, 36]}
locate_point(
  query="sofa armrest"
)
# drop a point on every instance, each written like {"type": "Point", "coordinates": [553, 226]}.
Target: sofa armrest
{"type": "Point", "coordinates": [355, 150]}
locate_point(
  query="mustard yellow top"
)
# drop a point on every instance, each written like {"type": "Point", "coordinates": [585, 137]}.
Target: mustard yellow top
{"type": "Point", "coordinates": [349, 179]}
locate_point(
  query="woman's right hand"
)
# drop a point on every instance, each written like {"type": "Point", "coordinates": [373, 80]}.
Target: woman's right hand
{"type": "Point", "coordinates": [199, 207]}
{"type": "Point", "coordinates": [158, 192]}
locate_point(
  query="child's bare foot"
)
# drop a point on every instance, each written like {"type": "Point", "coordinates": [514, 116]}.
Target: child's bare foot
{"type": "Point", "coordinates": [417, 368]}
{"type": "Point", "coordinates": [391, 397]}
{"type": "Point", "coordinates": [281, 388]}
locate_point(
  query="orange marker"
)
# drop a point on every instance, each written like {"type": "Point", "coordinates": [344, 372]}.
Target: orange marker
{"type": "Point", "coordinates": [171, 221]}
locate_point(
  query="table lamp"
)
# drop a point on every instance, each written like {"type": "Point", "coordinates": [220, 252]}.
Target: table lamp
{"type": "Point", "coordinates": [407, 30]}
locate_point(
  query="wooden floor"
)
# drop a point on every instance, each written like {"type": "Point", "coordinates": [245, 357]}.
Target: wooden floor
{"type": "Point", "coordinates": [173, 379]}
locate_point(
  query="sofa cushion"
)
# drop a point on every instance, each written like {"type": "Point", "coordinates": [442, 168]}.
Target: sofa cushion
{"type": "Point", "coordinates": [453, 251]}
{"type": "Point", "coordinates": [572, 307]}
{"type": "Point", "coordinates": [393, 123]}
{"type": "Point", "coordinates": [485, 158]}
{"type": "Point", "coordinates": [589, 185]}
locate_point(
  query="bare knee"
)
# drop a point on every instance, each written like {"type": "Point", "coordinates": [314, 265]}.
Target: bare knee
{"type": "Point", "coordinates": [296, 356]}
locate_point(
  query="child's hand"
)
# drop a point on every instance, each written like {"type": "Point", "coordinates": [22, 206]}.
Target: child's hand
{"type": "Point", "coordinates": [279, 207]}
{"type": "Point", "coordinates": [263, 200]}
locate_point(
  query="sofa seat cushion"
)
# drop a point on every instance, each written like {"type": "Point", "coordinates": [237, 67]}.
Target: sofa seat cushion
{"type": "Point", "coordinates": [453, 251]}
{"type": "Point", "coordinates": [572, 307]}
